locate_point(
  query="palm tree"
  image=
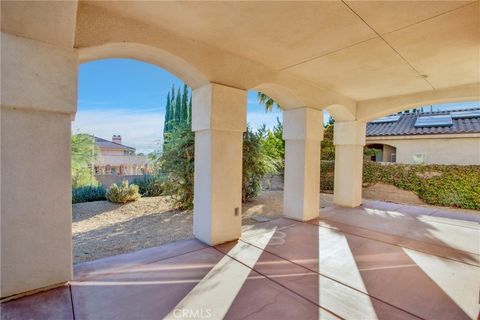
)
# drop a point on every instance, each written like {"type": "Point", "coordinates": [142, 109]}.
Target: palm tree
{"type": "Point", "coordinates": [266, 101]}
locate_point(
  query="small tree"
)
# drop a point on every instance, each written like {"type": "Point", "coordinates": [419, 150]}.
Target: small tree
{"type": "Point", "coordinates": [177, 165]}
{"type": "Point", "coordinates": [256, 163]}
{"type": "Point", "coordinates": [83, 154]}
{"type": "Point", "coordinates": [274, 146]}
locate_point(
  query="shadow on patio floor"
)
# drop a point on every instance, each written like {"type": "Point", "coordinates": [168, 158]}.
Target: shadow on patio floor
{"type": "Point", "coordinates": [366, 263]}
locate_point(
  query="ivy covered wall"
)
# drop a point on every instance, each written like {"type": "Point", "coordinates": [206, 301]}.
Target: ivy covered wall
{"type": "Point", "coordinates": [441, 185]}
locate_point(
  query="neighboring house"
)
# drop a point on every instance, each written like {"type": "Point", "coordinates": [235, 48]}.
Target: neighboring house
{"type": "Point", "coordinates": [443, 137]}
{"type": "Point", "coordinates": [118, 159]}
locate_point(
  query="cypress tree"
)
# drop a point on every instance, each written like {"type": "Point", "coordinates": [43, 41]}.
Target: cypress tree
{"type": "Point", "coordinates": [178, 107]}
{"type": "Point", "coordinates": [189, 110]}
{"type": "Point", "coordinates": [173, 114]}
{"type": "Point", "coordinates": [166, 127]}
{"type": "Point", "coordinates": [185, 104]}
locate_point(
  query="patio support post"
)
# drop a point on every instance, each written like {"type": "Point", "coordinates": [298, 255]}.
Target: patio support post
{"type": "Point", "coordinates": [39, 99]}
{"type": "Point", "coordinates": [303, 133]}
{"type": "Point", "coordinates": [349, 139]}
{"type": "Point", "coordinates": [219, 120]}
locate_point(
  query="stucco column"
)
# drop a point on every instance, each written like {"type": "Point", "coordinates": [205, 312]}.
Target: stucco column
{"type": "Point", "coordinates": [303, 133]}
{"type": "Point", "coordinates": [39, 86]}
{"type": "Point", "coordinates": [349, 139]}
{"type": "Point", "coordinates": [219, 120]}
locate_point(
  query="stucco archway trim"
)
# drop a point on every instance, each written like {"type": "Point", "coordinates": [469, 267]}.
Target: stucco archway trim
{"type": "Point", "coordinates": [341, 112]}
{"type": "Point", "coordinates": [175, 65]}
{"type": "Point", "coordinates": [285, 97]}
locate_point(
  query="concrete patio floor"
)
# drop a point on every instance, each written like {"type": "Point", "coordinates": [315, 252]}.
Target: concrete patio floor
{"type": "Point", "coordinates": [378, 261]}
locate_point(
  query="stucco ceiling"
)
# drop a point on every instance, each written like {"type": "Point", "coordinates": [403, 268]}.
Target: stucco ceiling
{"type": "Point", "coordinates": [362, 49]}
{"type": "Point", "coordinates": [344, 51]}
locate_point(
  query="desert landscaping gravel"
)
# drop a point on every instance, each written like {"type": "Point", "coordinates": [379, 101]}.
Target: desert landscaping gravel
{"type": "Point", "coordinates": [102, 229]}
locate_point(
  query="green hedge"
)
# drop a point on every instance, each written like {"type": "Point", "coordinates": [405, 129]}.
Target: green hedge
{"type": "Point", "coordinates": [441, 185]}
{"type": "Point", "coordinates": [327, 170]}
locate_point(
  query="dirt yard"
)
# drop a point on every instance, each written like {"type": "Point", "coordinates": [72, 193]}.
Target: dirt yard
{"type": "Point", "coordinates": [102, 229]}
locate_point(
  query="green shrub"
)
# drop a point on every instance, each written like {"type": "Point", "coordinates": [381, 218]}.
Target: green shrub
{"type": "Point", "coordinates": [328, 148]}
{"type": "Point", "coordinates": [88, 194]}
{"type": "Point", "coordinates": [273, 146]}
{"type": "Point", "coordinates": [148, 185]}
{"type": "Point", "coordinates": [327, 169]}
{"type": "Point", "coordinates": [123, 193]}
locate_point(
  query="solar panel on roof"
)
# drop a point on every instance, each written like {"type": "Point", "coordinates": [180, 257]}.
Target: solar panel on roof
{"type": "Point", "coordinates": [465, 114]}
{"type": "Point", "coordinates": [386, 119]}
{"type": "Point", "coordinates": [434, 121]}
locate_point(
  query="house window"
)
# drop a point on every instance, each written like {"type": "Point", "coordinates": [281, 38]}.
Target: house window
{"type": "Point", "coordinates": [393, 157]}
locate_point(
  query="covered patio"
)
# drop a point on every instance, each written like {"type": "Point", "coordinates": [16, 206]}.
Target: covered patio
{"type": "Point", "coordinates": [378, 261]}
{"type": "Point", "coordinates": [359, 60]}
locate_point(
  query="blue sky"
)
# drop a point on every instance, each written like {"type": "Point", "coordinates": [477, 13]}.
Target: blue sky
{"type": "Point", "coordinates": [127, 97]}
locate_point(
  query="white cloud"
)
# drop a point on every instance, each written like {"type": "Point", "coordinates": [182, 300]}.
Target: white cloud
{"type": "Point", "coordinates": [143, 131]}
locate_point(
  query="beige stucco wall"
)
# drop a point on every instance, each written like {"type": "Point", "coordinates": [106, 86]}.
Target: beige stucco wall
{"type": "Point", "coordinates": [38, 76]}
{"type": "Point", "coordinates": [36, 205]}
{"type": "Point", "coordinates": [38, 98]}
{"type": "Point", "coordinates": [459, 149]}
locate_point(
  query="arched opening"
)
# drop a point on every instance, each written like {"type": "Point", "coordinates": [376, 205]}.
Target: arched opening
{"type": "Point", "coordinates": [121, 111]}
{"type": "Point", "coordinates": [439, 134]}
{"type": "Point", "coordinates": [304, 126]}
{"type": "Point", "coordinates": [263, 149]}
